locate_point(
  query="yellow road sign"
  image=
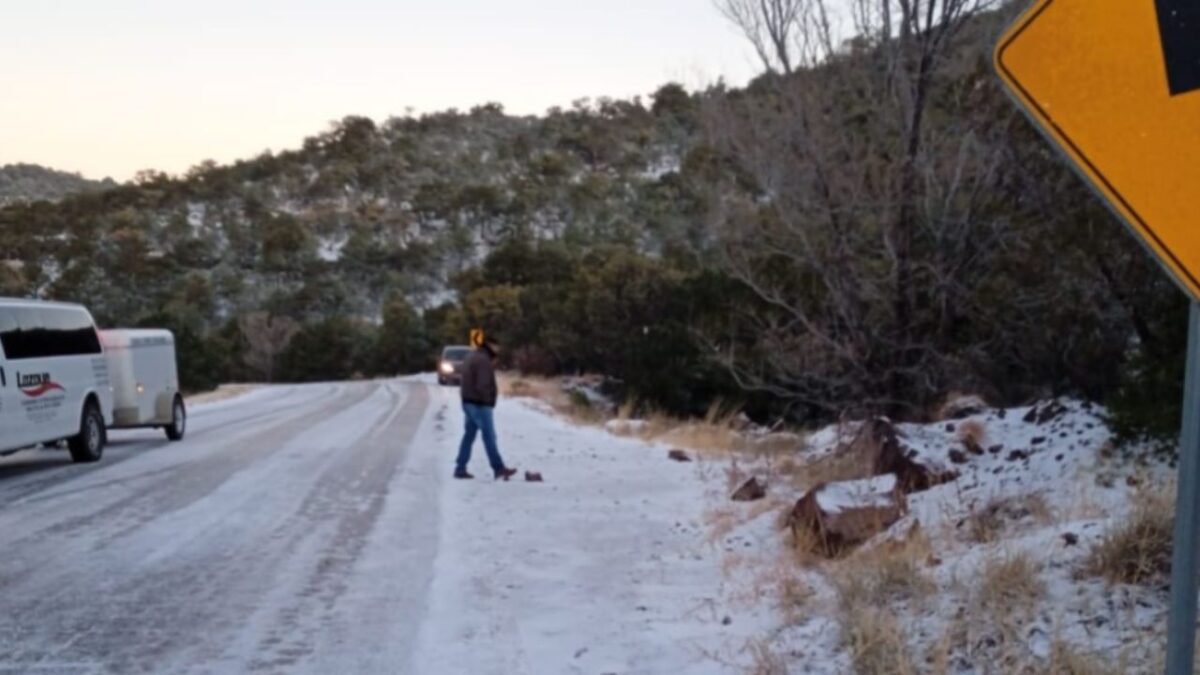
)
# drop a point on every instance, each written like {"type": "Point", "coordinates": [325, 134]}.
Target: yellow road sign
{"type": "Point", "coordinates": [1115, 84]}
{"type": "Point", "coordinates": [477, 337]}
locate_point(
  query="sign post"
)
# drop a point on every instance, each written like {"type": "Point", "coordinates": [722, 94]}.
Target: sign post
{"type": "Point", "coordinates": [1181, 627]}
{"type": "Point", "coordinates": [1115, 86]}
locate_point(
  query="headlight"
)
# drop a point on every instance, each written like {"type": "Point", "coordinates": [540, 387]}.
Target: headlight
{"type": "Point", "coordinates": [447, 368]}
{"type": "Point", "coordinates": [141, 388]}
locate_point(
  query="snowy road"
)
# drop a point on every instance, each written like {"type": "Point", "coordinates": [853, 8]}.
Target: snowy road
{"type": "Point", "coordinates": [314, 529]}
{"type": "Point", "coordinates": [246, 548]}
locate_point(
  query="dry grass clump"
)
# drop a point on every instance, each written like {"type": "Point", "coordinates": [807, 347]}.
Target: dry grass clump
{"type": "Point", "coordinates": [876, 642]}
{"type": "Point", "coordinates": [840, 465]}
{"type": "Point", "coordinates": [867, 582]}
{"type": "Point", "coordinates": [528, 386]}
{"type": "Point", "coordinates": [764, 661]}
{"type": "Point", "coordinates": [1010, 583]}
{"type": "Point", "coordinates": [520, 389]}
{"type": "Point", "coordinates": [716, 432]}
{"type": "Point", "coordinates": [891, 571]}
{"type": "Point", "coordinates": [573, 405]}
{"type": "Point", "coordinates": [721, 520]}
{"type": "Point", "coordinates": [804, 544]}
{"type": "Point", "coordinates": [779, 583]}
{"type": "Point", "coordinates": [793, 598]}
{"type": "Point", "coordinates": [988, 524]}
{"type": "Point", "coordinates": [779, 443]}
{"type": "Point", "coordinates": [972, 433]}
{"type": "Point", "coordinates": [1066, 660]}
{"type": "Point", "coordinates": [1138, 550]}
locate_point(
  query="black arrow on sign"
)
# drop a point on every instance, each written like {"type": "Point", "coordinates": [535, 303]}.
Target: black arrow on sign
{"type": "Point", "coordinates": [1179, 23]}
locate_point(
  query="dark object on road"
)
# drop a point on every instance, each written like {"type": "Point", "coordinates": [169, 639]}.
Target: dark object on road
{"type": "Point", "coordinates": [463, 475]}
{"type": "Point", "coordinates": [533, 477]}
{"type": "Point", "coordinates": [679, 456]}
{"type": "Point", "coordinates": [751, 491]}
{"type": "Point", "coordinates": [505, 474]}
{"type": "Point", "coordinates": [1070, 538]}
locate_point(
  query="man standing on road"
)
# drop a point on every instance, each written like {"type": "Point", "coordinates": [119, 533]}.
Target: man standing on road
{"type": "Point", "coordinates": [479, 393]}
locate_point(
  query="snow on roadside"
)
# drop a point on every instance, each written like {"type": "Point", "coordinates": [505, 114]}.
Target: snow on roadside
{"type": "Point", "coordinates": [603, 568]}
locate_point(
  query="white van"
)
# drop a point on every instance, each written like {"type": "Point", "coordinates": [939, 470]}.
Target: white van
{"type": "Point", "coordinates": [145, 381]}
{"type": "Point", "coordinates": [53, 378]}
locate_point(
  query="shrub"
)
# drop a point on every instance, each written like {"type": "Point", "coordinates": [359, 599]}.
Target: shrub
{"type": "Point", "coordinates": [1138, 550]}
{"type": "Point", "coordinates": [1148, 404]}
{"type": "Point", "coordinates": [876, 642]}
{"type": "Point", "coordinates": [402, 345]}
{"type": "Point", "coordinates": [332, 349]}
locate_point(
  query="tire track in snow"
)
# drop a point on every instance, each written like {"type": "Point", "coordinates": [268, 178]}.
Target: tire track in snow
{"type": "Point", "coordinates": [24, 479]}
{"type": "Point", "coordinates": [203, 560]}
{"type": "Point", "coordinates": [193, 476]}
{"type": "Point", "coordinates": [350, 497]}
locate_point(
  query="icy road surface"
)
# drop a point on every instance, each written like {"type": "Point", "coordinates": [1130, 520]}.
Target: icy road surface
{"type": "Point", "coordinates": [314, 529]}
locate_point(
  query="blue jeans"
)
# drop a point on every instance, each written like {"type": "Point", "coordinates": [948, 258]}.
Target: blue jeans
{"type": "Point", "coordinates": [479, 418]}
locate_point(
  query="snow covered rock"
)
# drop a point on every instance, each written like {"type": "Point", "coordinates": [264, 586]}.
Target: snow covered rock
{"type": "Point", "coordinates": [1046, 412]}
{"type": "Point", "coordinates": [845, 514]}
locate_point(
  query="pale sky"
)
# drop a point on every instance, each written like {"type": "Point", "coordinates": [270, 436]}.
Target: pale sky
{"type": "Point", "coordinates": [109, 87]}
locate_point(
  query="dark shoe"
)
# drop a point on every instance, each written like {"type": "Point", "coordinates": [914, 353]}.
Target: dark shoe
{"type": "Point", "coordinates": [505, 474]}
{"type": "Point", "coordinates": [463, 475]}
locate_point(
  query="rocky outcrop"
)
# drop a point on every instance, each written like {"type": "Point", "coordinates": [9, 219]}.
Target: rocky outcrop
{"type": "Point", "coordinates": [891, 456]}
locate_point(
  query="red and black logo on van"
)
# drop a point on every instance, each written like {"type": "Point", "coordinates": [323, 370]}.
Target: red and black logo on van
{"type": "Point", "coordinates": [38, 385]}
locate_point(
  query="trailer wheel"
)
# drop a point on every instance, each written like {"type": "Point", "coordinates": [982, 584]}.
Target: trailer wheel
{"type": "Point", "coordinates": [88, 445]}
{"type": "Point", "coordinates": [178, 424]}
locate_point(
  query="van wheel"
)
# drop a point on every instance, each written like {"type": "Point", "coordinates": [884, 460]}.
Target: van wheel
{"type": "Point", "coordinates": [88, 445]}
{"type": "Point", "coordinates": [178, 424]}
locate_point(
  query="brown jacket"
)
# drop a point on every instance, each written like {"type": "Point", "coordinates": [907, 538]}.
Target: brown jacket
{"type": "Point", "coordinates": [479, 379]}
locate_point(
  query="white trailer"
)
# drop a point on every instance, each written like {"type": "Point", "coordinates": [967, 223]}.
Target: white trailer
{"type": "Point", "coordinates": [145, 381]}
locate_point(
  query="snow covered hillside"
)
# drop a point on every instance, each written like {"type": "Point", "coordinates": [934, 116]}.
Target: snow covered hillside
{"type": "Point", "coordinates": [1011, 553]}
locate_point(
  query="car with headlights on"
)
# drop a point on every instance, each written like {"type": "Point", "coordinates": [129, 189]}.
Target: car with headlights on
{"type": "Point", "coordinates": [450, 365]}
